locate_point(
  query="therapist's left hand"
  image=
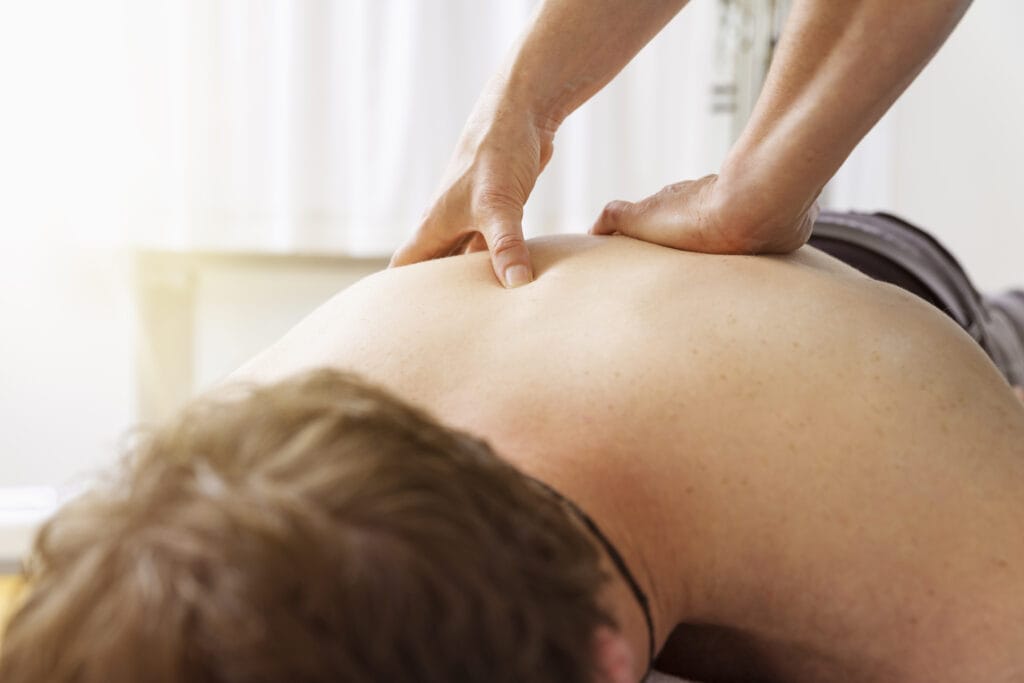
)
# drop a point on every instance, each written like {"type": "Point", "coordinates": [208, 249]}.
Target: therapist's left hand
{"type": "Point", "coordinates": [704, 215]}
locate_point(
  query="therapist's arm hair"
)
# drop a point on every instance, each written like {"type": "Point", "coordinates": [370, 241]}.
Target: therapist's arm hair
{"type": "Point", "coordinates": [838, 67]}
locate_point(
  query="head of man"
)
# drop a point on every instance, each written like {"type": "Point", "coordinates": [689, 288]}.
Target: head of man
{"type": "Point", "coordinates": [317, 529]}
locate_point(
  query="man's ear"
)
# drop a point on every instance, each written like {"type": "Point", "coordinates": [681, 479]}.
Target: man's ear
{"type": "Point", "coordinates": [613, 656]}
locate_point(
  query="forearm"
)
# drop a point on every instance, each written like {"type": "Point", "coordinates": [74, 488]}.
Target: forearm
{"type": "Point", "coordinates": [838, 68]}
{"type": "Point", "coordinates": [572, 48]}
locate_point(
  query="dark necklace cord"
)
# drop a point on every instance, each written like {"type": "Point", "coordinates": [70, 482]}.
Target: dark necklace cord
{"type": "Point", "coordinates": [620, 565]}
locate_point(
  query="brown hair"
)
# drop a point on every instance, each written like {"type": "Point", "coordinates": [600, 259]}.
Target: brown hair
{"type": "Point", "coordinates": [313, 530]}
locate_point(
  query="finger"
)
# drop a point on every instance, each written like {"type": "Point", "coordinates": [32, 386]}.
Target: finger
{"type": "Point", "coordinates": [509, 256]}
{"type": "Point", "coordinates": [607, 222]}
{"type": "Point", "coordinates": [662, 218]}
{"type": "Point", "coordinates": [425, 244]}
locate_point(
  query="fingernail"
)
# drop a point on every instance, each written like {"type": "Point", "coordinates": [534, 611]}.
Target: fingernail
{"type": "Point", "coordinates": [516, 276]}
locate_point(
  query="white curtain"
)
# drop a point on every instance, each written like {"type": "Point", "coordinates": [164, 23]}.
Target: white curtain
{"type": "Point", "coordinates": [312, 125]}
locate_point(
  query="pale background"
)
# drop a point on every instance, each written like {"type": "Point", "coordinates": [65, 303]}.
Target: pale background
{"type": "Point", "coordinates": [181, 180]}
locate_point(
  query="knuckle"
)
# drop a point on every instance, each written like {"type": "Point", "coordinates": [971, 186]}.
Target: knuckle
{"type": "Point", "coordinates": [491, 198]}
{"type": "Point", "coordinates": [505, 242]}
{"type": "Point", "coordinates": [612, 213]}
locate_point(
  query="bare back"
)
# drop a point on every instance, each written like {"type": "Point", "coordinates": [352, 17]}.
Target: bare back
{"type": "Point", "coordinates": [837, 451]}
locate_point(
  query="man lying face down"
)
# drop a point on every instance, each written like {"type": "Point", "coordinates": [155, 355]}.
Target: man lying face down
{"type": "Point", "coordinates": [754, 468]}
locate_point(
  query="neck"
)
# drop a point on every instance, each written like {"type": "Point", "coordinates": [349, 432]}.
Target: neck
{"type": "Point", "coordinates": [623, 594]}
{"type": "Point", "coordinates": [673, 557]}
{"type": "Point", "coordinates": [644, 607]}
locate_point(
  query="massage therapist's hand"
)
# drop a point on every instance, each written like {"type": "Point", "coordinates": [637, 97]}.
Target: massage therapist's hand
{"type": "Point", "coordinates": [570, 50]}
{"type": "Point", "coordinates": [480, 205]}
{"type": "Point", "coordinates": [706, 215]}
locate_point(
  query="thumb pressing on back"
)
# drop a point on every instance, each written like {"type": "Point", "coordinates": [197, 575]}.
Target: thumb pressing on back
{"type": "Point", "coordinates": [509, 256]}
{"type": "Point", "coordinates": [678, 216]}
{"type": "Point", "coordinates": [653, 219]}
{"type": "Point", "coordinates": [611, 218]}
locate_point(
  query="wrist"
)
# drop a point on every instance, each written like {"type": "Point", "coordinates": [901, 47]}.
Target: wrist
{"type": "Point", "coordinates": [752, 206]}
{"type": "Point", "coordinates": [741, 204]}
{"type": "Point", "coordinates": [503, 115]}
{"type": "Point", "coordinates": [547, 103]}
{"type": "Point", "coordinates": [514, 98]}
{"type": "Point", "coordinates": [768, 189]}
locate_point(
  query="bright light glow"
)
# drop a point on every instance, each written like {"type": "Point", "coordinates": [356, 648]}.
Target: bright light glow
{"type": "Point", "coordinates": [68, 127]}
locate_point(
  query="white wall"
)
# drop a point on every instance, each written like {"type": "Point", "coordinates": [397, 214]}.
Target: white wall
{"type": "Point", "coordinates": [950, 155]}
{"type": "Point", "coordinates": [959, 161]}
{"type": "Point", "coordinates": [66, 376]}
{"type": "Point", "coordinates": [66, 361]}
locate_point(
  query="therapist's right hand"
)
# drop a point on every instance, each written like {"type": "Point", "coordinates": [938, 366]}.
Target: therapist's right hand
{"type": "Point", "coordinates": [501, 153]}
